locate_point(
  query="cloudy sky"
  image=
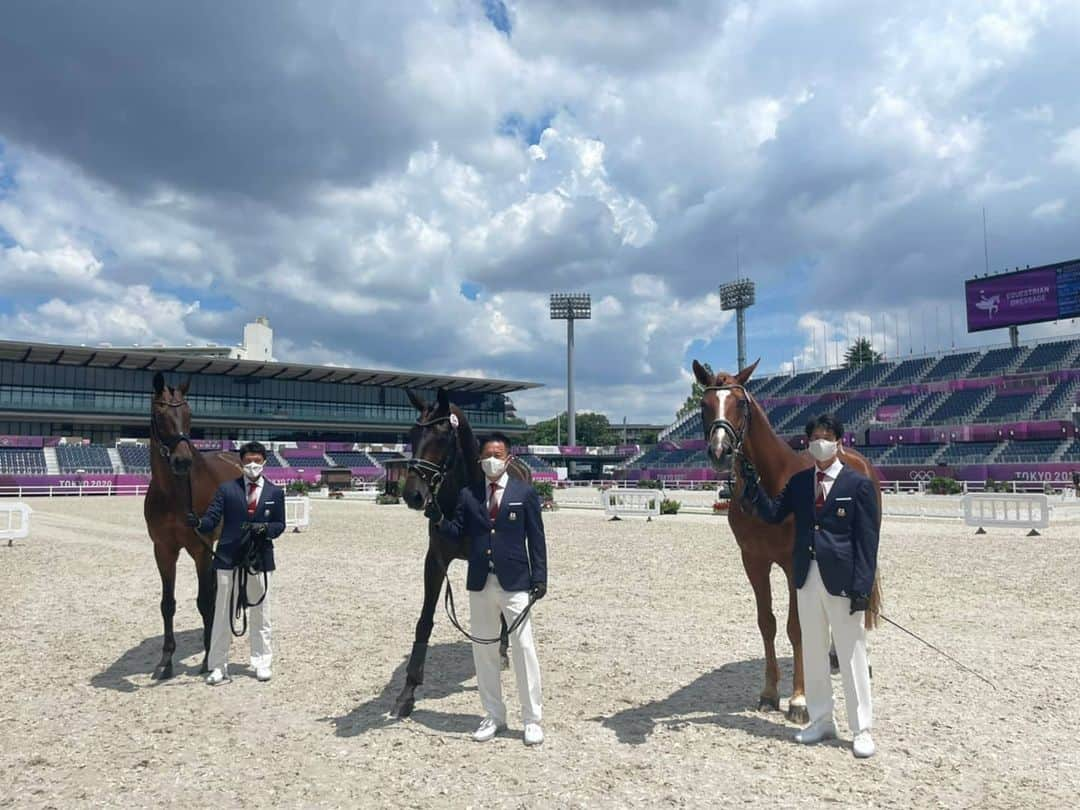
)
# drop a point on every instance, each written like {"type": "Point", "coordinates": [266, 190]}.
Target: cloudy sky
{"type": "Point", "coordinates": [402, 184]}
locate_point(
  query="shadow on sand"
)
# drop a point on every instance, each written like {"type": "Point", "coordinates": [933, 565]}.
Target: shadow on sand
{"type": "Point", "coordinates": [447, 669]}
{"type": "Point", "coordinates": [725, 697]}
{"type": "Point", "coordinates": [143, 658]}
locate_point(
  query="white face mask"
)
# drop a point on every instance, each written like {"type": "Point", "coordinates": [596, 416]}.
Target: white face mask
{"type": "Point", "coordinates": [493, 467]}
{"type": "Point", "coordinates": [252, 470]}
{"type": "Point", "coordinates": [822, 449]}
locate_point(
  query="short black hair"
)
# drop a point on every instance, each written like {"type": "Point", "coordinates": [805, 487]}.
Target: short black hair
{"type": "Point", "coordinates": [253, 448]}
{"type": "Point", "coordinates": [497, 437]}
{"type": "Point", "coordinates": [825, 421]}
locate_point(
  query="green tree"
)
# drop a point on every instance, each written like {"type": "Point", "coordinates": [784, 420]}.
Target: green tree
{"type": "Point", "coordinates": [861, 353]}
{"type": "Point", "coordinates": [593, 429]}
{"type": "Point", "coordinates": [693, 402]}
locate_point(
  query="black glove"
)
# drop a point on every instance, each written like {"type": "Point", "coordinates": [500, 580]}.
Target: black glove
{"type": "Point", "coordinates": [539, 590]}
{"type": "Point", "coordinates": [192, 520]}
{"type": "Point", "coordinates": [257, 529]}
{"type": "Point", "coordinates": [859, 601]}
{"type": "Point", "coordinates": [433, 511]}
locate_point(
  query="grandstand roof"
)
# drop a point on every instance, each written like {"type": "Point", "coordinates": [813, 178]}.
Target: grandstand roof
{"type": "Point", "coordinates": [149, 359]}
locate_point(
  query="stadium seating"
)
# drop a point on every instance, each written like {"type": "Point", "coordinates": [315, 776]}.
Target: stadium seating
{"type": "Point", "coordinates": [798, 384]}
{"type": "Point", "coordinates": [874, 452]}
{"type": "Point", "coordinates": [950, 367]}
{"type": "Point", "coordinates": [855, 412]}
{"type": "Point", "coordinates": [1071, 453]}
{"type": "Point", "coordinates": [135, 457]}
{"type": "Point", "coordinates": [89, 458]}
{"type": "Point", "coordinates": [297, 462]}
{"type": "Point", "coordinates": [957, 406]}
{"type": "Point", "coordinates": [273, 461]}
{"type": "Point", "coordinates": [924, 407]}
{"type": "Point", "coordinates": [690, 429]}
{"type": "Point", "coordinates": [795, 421]}
{"type": "Point", "coordinates": [912, 453]}
{"type": "Point", "coordinates": [869, 376]}
{"type": "Point", "coordinates": [1059, 403]}
{"type": "Point", "coordinates": [908, 372]}
{"type": "Point", "coordinates": [832, 380]}
{"type": "Point", "coordinates": [967, 452]}
{"type": "Point", "coordinates": [381, 457]}
{"type": "Point", "coordinates": [22, 461]}
{"type": "Point", "coordinates": [766, 386]}
{"type": "Point", "coordinates": [780, 413]}
{"type": "Point", "coordinates": [1048, 356]}
{"type": "Point", "coordinates": [1004, 407]}
{"type": "Point", "coordinates": [997, 361]}
{"type": "Point", "coordinates": [352, 459]}
{"type": "Point", "coordinates": [535, 463]}
{"type": "Point", "coordinates": [1034, 450]}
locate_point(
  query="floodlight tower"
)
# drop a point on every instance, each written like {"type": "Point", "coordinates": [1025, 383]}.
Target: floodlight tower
{"type": "Point", "coordinates": [570, 307]}
{"type": "Point", "coordinates": [738, 295]}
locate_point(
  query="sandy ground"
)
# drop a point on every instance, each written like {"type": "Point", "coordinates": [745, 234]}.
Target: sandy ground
{"type": "Point", "coordinates": [651, 662]}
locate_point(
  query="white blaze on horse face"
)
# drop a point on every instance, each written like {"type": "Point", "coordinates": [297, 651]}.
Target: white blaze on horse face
{"type": "Point", "coordinates": [719, 438]}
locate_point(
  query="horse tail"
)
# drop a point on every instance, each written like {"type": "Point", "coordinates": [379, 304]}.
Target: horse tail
{"type": "Point", "coordinates": [871, 620]}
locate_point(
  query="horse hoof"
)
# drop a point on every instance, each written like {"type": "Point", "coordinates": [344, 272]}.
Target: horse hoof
{"type": "Point", "coordinates": [769, 703]}
{"type": "Point", "coordinates": [162, 673]}
{"type": "Point", "coordinates": [834, 663]}
{"type": "Point", "coordinates": [403, 709]}
{"type": "Point", "coordinates": [505, 663]}
{"type": "Point", "coordinates": [798, 715]}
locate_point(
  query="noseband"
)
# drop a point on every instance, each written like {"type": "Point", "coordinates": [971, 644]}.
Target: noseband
{"type": "Point", "coordinates": [168, 444]}
{"type": "Point", "coordinates": [720, 423]}
{"type": "Point", "coordinates": [429, 472]}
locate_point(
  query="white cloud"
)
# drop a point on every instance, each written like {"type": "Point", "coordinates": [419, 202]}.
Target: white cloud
{"type": "Point", "coordinates": [1049, 210]}
{"type": "Point", "coordinates": [1068, 149]}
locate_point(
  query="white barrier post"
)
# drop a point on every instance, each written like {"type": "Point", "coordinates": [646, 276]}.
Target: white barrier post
{"type": "Point", "coordinates": [1014, 510]}
{"type": "Point", "coordinates": [14, 521]}
{"type": "Point", "coordinates": [618, 503]}
{"type": "Point", "coordinates": [298, 512]}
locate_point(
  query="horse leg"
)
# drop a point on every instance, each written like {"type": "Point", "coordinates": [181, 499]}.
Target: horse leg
{"type": "Point", "coordinates": [414, 671]}
{"type": "Point", "coordinates": [165, 555]}
{"type": "Point", "coordinates": [207, 592]}
{"type": "Point", "coordinates": [796, 712]}
{"type": "Point", "coordinates": [757, 570]}
{"type": "Point", "coordinates": [504, 643]}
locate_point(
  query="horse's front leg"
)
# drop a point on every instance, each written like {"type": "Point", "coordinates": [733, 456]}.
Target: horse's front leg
{"type": "Point", "coordinates": [796, 712]}
{"type": "Point", "coordinates": [165, 554]}
{"type": "Point", "coordinates": [757, 571]}
{"type": "Point", "coordinates": [414, 671]}
{"type": "Point", "coordinates": [204, 567]}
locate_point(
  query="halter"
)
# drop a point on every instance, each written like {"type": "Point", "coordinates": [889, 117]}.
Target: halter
{"type": "Point", "coordinates": [429, 472]}
{"type": "Point", "coordinates": [738, 437]}
{"type": "Point", "coordinates": [168, 444]}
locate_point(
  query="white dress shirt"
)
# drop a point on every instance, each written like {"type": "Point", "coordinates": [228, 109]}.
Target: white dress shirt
{"type": "Point", "coordinates": [830, 475]}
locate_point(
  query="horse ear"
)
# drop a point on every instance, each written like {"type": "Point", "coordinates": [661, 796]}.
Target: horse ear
{"type": "Point", "coordinates": [159, 383]}
{"type": "Point", "coordinates": [744, 375]}
{"type": "Point", "coordinates": [443, 400]}
{"type": "Point", "coordinates": [417, 403]}
{"type": "Point", "coordinates": [184, 386]}
{"type": "Point", "coordinates": [703, 376]}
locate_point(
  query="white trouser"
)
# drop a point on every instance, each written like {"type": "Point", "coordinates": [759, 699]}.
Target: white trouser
{"type": "Point", "coordinates": [819, 611]}
{"type": "Point", "coordinates": [228, 590]}
{"type": "Point", "coordinates": [485, 607]}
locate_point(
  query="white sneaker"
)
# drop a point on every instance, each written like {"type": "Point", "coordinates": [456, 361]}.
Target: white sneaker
{"type": "Point", "coordinates": [217, 677]}
{"type": "Point", "coordinates": [263, 673]}
{"type": "Point", "coordinates": [534, 735]}
{"type": "Point", "coordinates": [864, 747]}
{"type": "Point", "coordinates": [822, 729]}
{"type": "Point", "coordinates": [489, 727]}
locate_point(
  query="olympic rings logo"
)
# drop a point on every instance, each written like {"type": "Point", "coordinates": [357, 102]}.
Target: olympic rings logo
{"type": "Point", "coordinates": [921, 475]}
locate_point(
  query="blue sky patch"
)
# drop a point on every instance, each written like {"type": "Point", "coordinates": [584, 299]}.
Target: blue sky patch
{"type": "Point", "coordinates": [495, 11]}
{"type": "Point", "coordinates": [528, 131]}
{"type": "Point", "coordinates": [470, 290]}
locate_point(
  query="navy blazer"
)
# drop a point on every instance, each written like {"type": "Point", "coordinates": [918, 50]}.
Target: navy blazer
{"type": "Point", "coordinates": [230, 503]}
{"type": "Point", "coordinates": [515, 544]}
{"type": "Point", "coordinates": [843, 535]}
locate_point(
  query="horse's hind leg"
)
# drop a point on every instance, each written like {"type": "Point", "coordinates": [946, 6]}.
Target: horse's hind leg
{"type": "Point", "coordinates": [414, 671]}
{"type": "Point", "coordinates": [207, 591]}
{"type": "Point", "coordinates": [796, 712]}
{"type": "Point", "coordinates": [165, 554]}
{"type": "Point", "coordinates": [757, 570]}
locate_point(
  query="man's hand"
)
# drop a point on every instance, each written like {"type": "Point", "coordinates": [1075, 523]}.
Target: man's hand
{"type": "Point", "coordinates": [192, 520]}
{"type": "Point", "coordinates": [859, 601]}
{"type": "Point", "coordinates": [539, 590]}
{"type": "Point", "coordinates": [257, 529]}
{"type": "Point", "coordinates": [433, 511]}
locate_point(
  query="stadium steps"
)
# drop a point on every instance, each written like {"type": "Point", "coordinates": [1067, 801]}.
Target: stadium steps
{"type": "Point", "coordinates": [990, 459]}
{"type": "Point", "coordinates": [678, 423]}
{"type": "Point", "coordinates": [1059, 453]}
{"type": "Point", "coordinates": [117, 462]}
{"type": "Point", "coordinates": [1073, 357]}
{"type": "Point", "coordinates": [52, 463]}
{"type": "Point", "coordinates": [281, 460]}
{"type": "Point", "coordinates": [1063, 405]}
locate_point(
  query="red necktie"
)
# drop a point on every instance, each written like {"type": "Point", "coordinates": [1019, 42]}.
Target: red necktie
{"type": "Point", "coordinates": [253, 502]}
{"type": "Point", "coordinates": [493, 502]}
{"type": "Point", "coordinates": [819, 502]}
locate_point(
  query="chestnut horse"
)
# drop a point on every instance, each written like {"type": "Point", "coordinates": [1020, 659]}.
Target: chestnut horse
{"type": "Point", "coordinates": [181, 479]}
{"type": "Point", "coordinates": [736, 425]}
{"type": "Point", "coordinates": [445, 460]}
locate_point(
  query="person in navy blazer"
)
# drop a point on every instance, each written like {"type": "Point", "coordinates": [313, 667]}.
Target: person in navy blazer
{"type": "Point", "coordinates": [507, 563]}
{"type": "Point", "coordinates": [248, 505]}
{"type": "Point", "coordinates": [835, 560]}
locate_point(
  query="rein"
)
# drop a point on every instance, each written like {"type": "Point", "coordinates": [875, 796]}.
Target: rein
{"type": "Point", "coordinates": [738, 437]}
{"type": "Point", "coordinates": [434, 475]}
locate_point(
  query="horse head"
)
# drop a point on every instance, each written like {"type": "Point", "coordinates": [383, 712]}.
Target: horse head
{"type": "Point", "coordinates": [436, 448]}
{"type": "Point", "coordinates": [725, 410]}
{"type": "Point", "coordinates": [170, 425]}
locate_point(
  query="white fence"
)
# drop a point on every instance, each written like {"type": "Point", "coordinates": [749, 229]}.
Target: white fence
{"type": "Point", "coordinates": [620, 503]}
{"type": "Point", "coordinates": [14, 521]}
{"type": "Point", "coordinates": [1007, 511]}
{"type": "Point", "coordinates": [68, 491]}
{"type": "Point", "coordinates": [298, 513]}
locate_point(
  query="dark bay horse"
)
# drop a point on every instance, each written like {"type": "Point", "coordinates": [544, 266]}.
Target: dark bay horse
{"type": "Point", "coordinates": [181, 478]}
{"type": "Point", "coordinates": [736, 425]}
{"type": "Point", "coordinates": [446, 457]}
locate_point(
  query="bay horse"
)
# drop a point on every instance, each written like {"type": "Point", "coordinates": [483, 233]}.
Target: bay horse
{"type": "Point", "coordinates": [446, 459]}
{"type": "Point", "coordinates": [182, 479]}
{"type": "Point", "coordinates": [736, 425]}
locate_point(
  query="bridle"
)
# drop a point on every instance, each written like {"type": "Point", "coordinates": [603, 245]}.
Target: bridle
{"type": "Point", "coordinates": [167, 444]}
{"type": "Point", "coordinates": [738, 437]}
